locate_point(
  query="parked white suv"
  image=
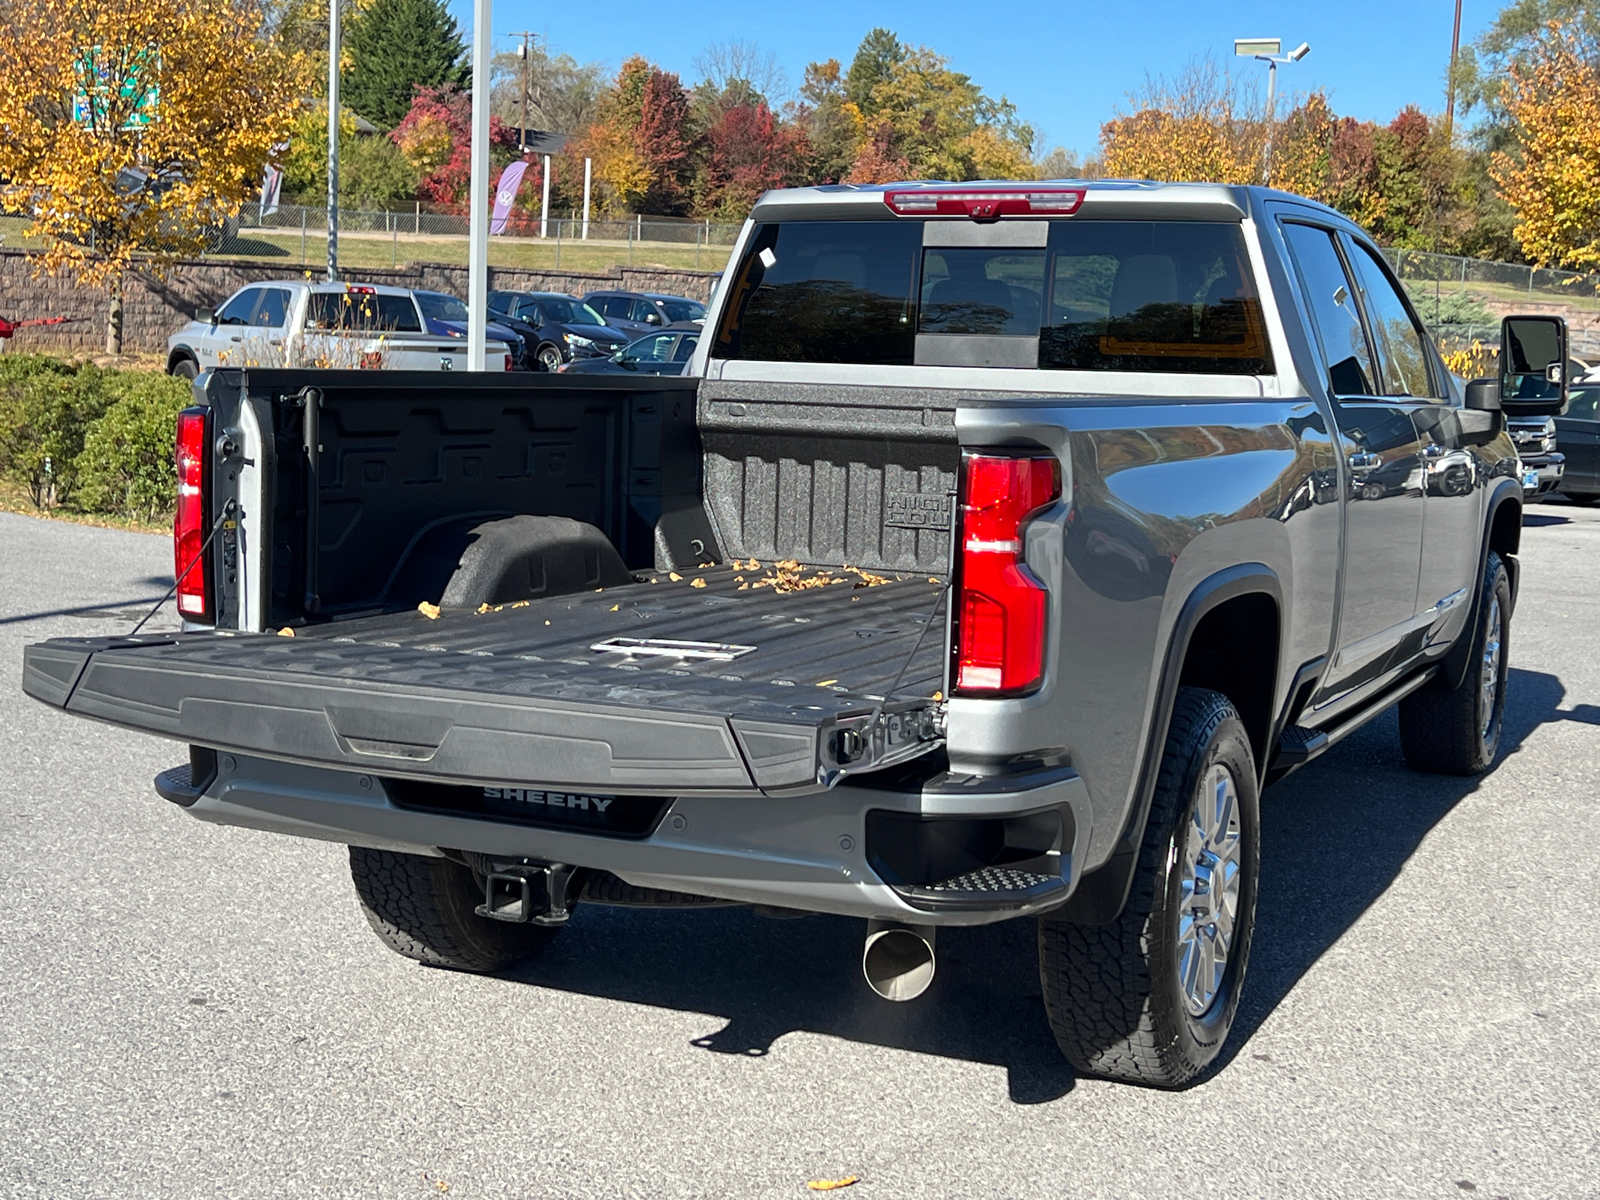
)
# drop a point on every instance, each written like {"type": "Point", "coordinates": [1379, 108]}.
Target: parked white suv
{"type": "Point", "coordinates": [291, 323]}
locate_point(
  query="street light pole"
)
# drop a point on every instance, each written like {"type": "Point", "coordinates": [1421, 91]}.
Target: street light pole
{"type": "Point", "coordinates": [333, 140]}
{"type": "Point", "coordinates": [1267, 50]}
{"type": "Point", "coordinates": [478, 188]}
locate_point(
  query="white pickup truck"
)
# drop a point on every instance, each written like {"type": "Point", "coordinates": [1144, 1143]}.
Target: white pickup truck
{"type": "Point", "coordinates": [291, 323]}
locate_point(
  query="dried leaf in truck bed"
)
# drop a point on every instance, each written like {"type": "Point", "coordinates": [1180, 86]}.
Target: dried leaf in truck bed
{"type": "Point", "coordinates": [699, 583]}
{"type": "Point", "coordinates": [674, 576]}
{"type": "Point", "coordinates": [828, 1185]}
{"type": "Point", "coordinates": [431, 611]}
{"type": "Point", "coordinates": [285, 632]}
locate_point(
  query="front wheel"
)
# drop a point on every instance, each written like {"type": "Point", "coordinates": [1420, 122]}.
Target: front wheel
{"type": "Point", "coordinates": [1457, 732]}
{"type": "Point", "coordinates": [1150, 998]}
{"type": "Point", "coordinates": [549, 358]}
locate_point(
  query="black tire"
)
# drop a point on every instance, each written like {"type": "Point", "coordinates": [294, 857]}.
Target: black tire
{"type": "Point", "coordinates": [1457, 732]}
{"type": "Point", "coordinates": [1115, 994]}
{"type": "Point", "coordinates": [549, 357]}
{"type": "Point", "coordinates": [1584, 498]}
{"type": "Point", "coordinates": [185, 368]}
{"type": "Point", "coordinates": [423, 908]}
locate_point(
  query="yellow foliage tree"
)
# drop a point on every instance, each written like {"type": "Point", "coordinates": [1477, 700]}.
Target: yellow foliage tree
{"type": "Point", "coordinates": [1202, 128]}
{"type": "Point", "coordinates": [1552, 181]}
{"type": "Point", "coordinates": [136, 125]}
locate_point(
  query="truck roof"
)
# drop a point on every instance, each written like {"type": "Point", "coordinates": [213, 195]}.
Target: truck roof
{"type": "Point", "coordinates": [1129, 199]}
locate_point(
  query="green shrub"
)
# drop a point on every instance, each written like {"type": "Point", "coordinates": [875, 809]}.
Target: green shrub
{"type": "Point", "coordinates": [74, 435]}
{"type": "Point", "coordinates": [46, 407]}
{"type": "Point", "coordinates": [126, 467]}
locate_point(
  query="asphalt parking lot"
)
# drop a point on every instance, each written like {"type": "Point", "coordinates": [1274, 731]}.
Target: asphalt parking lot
{"type": "Point", "coordinates": [194, 1011]}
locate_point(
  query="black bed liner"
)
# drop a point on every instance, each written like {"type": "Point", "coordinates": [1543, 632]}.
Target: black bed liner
{"type": "Point", "coordinates": [517, 695]}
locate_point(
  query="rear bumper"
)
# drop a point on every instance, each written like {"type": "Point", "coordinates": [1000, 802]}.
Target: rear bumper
{"type": "Point", "coordinates": [811, 853]}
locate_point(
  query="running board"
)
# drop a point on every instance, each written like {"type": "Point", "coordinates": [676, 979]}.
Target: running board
{"type": "Point", "coordinates": [1299, 745]}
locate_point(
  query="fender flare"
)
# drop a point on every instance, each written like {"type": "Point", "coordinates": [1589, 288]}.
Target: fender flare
{"type": "Point", "coordinates": [177, 354]}
{"type": "Point", "coordinates": [1101, 894]}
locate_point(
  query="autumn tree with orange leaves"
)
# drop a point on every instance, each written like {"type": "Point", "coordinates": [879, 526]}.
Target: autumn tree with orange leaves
{"type": "Point", "coordinates": [131, 126]}
{"type": "Point", "coordinates": [1551, 178]}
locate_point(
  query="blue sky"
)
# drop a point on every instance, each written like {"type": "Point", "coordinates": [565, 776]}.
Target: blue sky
{"type": "Point", "coordinates": [1065, 65]}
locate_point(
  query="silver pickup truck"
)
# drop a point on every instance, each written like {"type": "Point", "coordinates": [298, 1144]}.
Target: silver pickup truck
{"type": "Point", "coordinates": [1001, 544]}
{"type": "Point", "coordinates": [327, 326]}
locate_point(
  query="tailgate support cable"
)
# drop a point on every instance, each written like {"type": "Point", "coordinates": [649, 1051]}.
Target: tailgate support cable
{"type": "Point", "coordinates": [877, 713]}
{"type": "Point", "coordinates": [227, 511]}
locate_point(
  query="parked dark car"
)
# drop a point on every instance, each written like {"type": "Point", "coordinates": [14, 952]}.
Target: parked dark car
{"type": "Point", "coordinates": [1578, 431]}
{"type": "Point", "coordinates": [654, 354]}
{"type": "Point", "coordinates": [444, 315]}
{"type": "Point", "coordinates": [639, 313]}
{"type": "Point", "coordinates": [564, 328]}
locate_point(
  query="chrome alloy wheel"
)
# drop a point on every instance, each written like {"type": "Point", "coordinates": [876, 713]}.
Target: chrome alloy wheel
{"type": "Point", "coordinates": [1209, 906]}
{"type": "Point", "coordinates": [1489, 680]}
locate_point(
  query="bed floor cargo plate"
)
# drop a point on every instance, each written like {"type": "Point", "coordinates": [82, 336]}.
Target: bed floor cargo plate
{"type": "Point", "coordinates": [763, 691]}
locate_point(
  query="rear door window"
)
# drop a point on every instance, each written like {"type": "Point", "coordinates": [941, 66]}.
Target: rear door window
{"type": "Point", "coordinates": [1332, 301]}
{"type": "Point", "coordinates": [826, 292]}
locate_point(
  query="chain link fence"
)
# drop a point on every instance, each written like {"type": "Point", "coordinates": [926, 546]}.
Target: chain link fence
{"type": "Point", "coordinates": [297, 234]}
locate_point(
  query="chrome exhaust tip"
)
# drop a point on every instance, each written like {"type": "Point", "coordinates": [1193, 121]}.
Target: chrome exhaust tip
{"type": "Point", "coordinates": [898, 960]}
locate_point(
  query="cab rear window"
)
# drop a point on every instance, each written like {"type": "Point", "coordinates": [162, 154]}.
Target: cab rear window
{"type": "Point", "coordinates": [1151, 296]}
{"type": "Point", "coordinates": [362, 312]}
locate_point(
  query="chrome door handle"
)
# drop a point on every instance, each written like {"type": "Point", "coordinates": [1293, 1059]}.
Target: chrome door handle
{"type": "Point", "coordinates": [1362, 460]}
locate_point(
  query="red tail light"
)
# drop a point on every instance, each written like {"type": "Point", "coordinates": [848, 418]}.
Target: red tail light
{"type": "Point", "coordinates": [508, 362]}
{"type": "Point", "coordinates": [191, 522]}
{"type": "Point", "coordinates": [999, 644]}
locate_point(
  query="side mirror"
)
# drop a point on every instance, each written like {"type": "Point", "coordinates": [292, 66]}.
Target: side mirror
{"type": "Point", "coordinates": [1483, 395]}
{"type": "Point", "coordinates": [205, 316]}
{"type": "Point", "coordinates": [1533, 366]}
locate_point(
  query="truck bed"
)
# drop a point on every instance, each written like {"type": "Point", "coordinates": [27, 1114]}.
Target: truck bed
{"type": "Point", "coordinates": [519, 695]}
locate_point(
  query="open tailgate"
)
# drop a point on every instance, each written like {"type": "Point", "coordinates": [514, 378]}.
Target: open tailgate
{"type": "Point", "coordinates": [783, 698]}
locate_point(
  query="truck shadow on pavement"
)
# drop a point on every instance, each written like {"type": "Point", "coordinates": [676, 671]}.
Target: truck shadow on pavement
{"type": "Point", "coordinates": [764, 978]}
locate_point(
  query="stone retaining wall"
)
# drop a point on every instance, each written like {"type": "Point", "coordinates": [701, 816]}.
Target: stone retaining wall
{"type": "Point", "coordinates": [157, 303]}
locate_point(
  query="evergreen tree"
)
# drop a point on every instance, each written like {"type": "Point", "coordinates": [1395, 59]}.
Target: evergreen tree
{"type": "Point", "coordinates": [395, 47]}
{"type": "Point", "coordinates": [876, 58]}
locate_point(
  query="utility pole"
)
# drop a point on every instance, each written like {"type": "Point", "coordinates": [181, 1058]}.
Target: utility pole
{"type": "Point", "coordinates": [1450, 105]}
{"type": "Point", "coordinates": [524, 52]}
{"type": "Point", "coordinates": [333, 140]}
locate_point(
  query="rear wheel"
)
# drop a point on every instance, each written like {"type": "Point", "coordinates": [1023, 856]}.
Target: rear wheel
{"type": "Point", "coordinates": [1457, 732]}
{"type": "Point", "coordinates": [1150, 998]}
{"type": "Point", "coordinates": [549, 358]}
{"type": "Point", "coordinates": [185, 368]}
{"type": "Point", "coordinates": [424, 908]}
